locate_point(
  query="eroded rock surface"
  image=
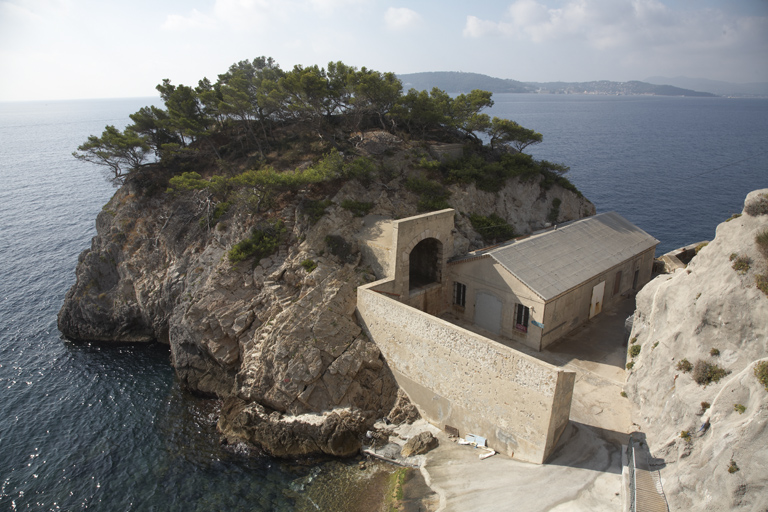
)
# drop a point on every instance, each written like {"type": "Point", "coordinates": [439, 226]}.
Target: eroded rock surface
{"type": "Point", "coordinates": [275, 338]}
{"type": "Point", "coordinates": [714, 313]}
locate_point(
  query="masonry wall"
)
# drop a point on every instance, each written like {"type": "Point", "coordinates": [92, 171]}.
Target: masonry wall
{"type": "Point", "coordinates": [571, 309]}
{"type": "Point", "coordinates": [407, 233]}
{"type": "Point", "coordinates": [459, 378]}
{"type": "Point", "coordinates": [485, 275]}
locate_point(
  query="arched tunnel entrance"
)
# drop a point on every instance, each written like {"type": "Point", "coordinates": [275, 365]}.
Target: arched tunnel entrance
{"type": "Point", "coordinates": [424, 263]}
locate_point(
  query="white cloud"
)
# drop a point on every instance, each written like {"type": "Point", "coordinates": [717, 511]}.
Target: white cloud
{"type": "Point", "coordinates": [477, 28]}
{"type": "Point", "coordinates": [246, 14]}
{"type": "Point", "coordinates": [330, 6]}
{"type": "Point", "coordinates": [615, 24]}
{"type": "Point", "coordinates": [195, 20]}
{"type": "Point", "coordinates": [401, 18]}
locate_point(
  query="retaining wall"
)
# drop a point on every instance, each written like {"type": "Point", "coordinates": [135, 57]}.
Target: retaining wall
{"type": "Point", "coordinates": [464, 380]}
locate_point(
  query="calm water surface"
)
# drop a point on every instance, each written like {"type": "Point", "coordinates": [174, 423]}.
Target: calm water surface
{"type": "Point", "coordinates": [676, 167]}
{"type": "Point", "coordinates": [108, 428]}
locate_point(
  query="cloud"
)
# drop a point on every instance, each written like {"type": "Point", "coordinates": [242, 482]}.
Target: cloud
{"type": "Point", "coordinates": [613, 24]}
{"type": "Point", "coordinates": [249, 15]}
{"type": "Point", "coordinates": [401, 18]}
{"type": "Point", "coordinates": [330, 6]}
{"type": "Point", "coordinates": [194, 21]}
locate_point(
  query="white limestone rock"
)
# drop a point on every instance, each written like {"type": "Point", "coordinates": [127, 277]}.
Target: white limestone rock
{"type": "Point", "coordinates": [686, 315]}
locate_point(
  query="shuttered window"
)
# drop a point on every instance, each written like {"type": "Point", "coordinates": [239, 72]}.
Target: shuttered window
{"type": "Point", "coordinates": [521, 317]}
{"type": "Point", "coordinates": [459, 294]}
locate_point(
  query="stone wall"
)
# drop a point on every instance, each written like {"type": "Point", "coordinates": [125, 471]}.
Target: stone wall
{"type": "Point", "coordinates": [407, 233]}
{"type": "Point", "coordinates": [459, 378]}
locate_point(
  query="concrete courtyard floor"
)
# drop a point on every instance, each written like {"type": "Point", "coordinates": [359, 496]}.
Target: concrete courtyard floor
{"type": "Point", "coordinates": [584, 472]}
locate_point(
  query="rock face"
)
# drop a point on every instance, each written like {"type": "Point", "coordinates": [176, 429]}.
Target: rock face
{"type": "Point", "coordinates": [713, 313]}
{"type": "Point", "coordinates": [276, 339]}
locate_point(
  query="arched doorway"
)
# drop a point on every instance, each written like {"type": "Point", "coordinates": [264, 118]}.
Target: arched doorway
{"type": "Point", "coordinates": [424, 263]}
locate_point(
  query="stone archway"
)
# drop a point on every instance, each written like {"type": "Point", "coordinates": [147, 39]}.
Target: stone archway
{"type": "Point", "coordinates": [425, 263]}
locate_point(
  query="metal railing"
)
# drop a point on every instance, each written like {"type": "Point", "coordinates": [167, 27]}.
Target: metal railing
{"type": "Point", "coordinates": [631, 467]}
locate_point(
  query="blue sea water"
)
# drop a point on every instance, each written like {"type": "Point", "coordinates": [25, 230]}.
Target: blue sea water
{"type": "Point", "coordinates": [674, 166]}
{"type": "Point", "coordinates": [107, 428]}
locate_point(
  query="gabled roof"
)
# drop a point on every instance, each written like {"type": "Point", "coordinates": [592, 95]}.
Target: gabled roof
{"type": "Point", "coordinates": [556, 261]}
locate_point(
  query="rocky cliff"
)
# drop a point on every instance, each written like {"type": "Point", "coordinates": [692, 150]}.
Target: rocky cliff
{"type": "Point", "coordinates": [277, 339]}
{"type": "Point", "coordinates": [702, 331]}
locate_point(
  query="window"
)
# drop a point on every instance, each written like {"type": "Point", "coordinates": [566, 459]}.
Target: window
{"type": "Point", "coordinates": [521, 317]}
{"type": "Point", "coordinates": [617, 283]}
{"type": "Point", "coordinates": [459, 294]}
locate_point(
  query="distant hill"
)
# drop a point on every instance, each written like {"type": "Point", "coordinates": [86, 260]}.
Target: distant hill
{"type": "Point", "coordinates": [606, 87]}
{"type": "Point", "coordinates": [713, 86]}
{"type": "Point", "coordinates": [458, 82]}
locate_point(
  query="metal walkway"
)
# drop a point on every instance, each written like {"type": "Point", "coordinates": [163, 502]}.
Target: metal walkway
{"type": "Point", "coordinates": [646, 493]}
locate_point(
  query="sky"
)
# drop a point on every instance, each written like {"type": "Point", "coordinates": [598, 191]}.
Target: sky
{"type": "Point", "coordinates": [72, 49]}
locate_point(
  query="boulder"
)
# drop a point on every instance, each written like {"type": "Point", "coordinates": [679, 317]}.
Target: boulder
{"type": "Point", "coordinates": [419, 444]}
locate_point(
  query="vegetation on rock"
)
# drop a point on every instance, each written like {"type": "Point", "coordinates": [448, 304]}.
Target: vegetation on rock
{"type": "Point", "coordinates": [757, 207]}
{"type": "Point", "coordinates": [492, 228]}
{"type": "Point", "coordinates": [705, 373]}
{"type": "Point", "coordinates": [275, 161]}
{"type": "Point", "coordinates": [254, 118]}
{"type": "Point", "coordinates": [761, 372]}
{"type": "Point", "coordinates": [260, 244]}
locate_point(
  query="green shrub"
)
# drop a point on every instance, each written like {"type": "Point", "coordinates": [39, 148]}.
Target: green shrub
{"type": "Point", "coordinates": [686, 436]}
{"type": "Point", "coordinates": [361, 168]}
{"type": "Point", "coordinates": [739, 408]}
{"type": "Point", "coordinates": [741, 264]}
{"type": "Point", "coordinates": [761, 281]}
{"type": "Point", "coordinates": [309, 265]}
{"type": "Point", "coordinates": [705, 406]}
{"type": "Point", "coordinates": [705, 373]}
{"type": "Point", "coordinates": [492, 228]}
{"type": "Point", "coordinates": [714, 352]}
{"type": "Point", "coordinates": [358, 208]}
{"type": "Point", "coordinates": [761, 372]}
{"type": "Point", "coordinates": [630, 365]}
{"type": "Point", "coordinates": [432, 194]}
{"type": "Point", "coordinates": [218, 212]}
{"type": "Point", "coordinates": [260, 244]}
{"type": "Point", "coordinates": [684, 366]}
{"type": "Point", "coordinates": [700, 246]}
{"type": "Point", "coordinates": [634, 351]}
{"type": "Point", "coordinates": [624, 394]}
{"type": "Point", "coordinates": [732, 467]}
{"type": "Point", "coordinates": [761, 239]}
{"type": "Point", "coordinates": [554, 211]}
{"type": "Point", "coordinates": [734, 216]}
{"type": "Point", "coordinates": [428, 164]}
{"type": "Point", "coordinates": [338, 247]}
{"type": "Point", "coordinates": [315, 209]}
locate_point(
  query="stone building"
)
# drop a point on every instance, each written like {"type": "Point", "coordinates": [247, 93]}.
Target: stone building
{"type": "Point", "coordinates": [537, 289]}
{"type": "Point", "coordinates": [534, 289]}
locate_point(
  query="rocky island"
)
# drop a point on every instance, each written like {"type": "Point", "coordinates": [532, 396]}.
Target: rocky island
{"type": "Point", "coordinates": [243, 226]}
{"type": "Point", "coordinates": [235, 236]}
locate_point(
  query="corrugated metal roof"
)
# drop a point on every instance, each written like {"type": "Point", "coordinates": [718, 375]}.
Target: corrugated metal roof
{"type": "Point", "coordinates": [556, 261]}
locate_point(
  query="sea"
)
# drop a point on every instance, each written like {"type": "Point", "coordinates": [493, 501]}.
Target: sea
{"type": "Point", "coordinates": [88, 426]}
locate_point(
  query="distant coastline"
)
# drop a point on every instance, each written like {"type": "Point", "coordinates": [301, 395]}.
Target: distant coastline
{"type": "Point", "coordinates": [460, 82]}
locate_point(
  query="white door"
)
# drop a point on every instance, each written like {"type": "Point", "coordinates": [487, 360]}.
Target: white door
{"type": "Point", "coordinates": [488, 312]}
{"type": "Point", "coordinates": [596, 304]}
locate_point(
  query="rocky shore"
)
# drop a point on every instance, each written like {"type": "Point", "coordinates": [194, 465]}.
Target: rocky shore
{"type": "Point", "coordinates": [277, 339]}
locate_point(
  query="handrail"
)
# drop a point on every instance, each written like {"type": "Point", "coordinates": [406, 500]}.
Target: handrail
{"type": "Point", "coordinates": [632, 482]}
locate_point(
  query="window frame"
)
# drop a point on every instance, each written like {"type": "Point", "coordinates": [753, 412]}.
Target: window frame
{"type": "Point", "coordinates": [522, 317]}
{"type": "Point", "coordinates": [459, 294]}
